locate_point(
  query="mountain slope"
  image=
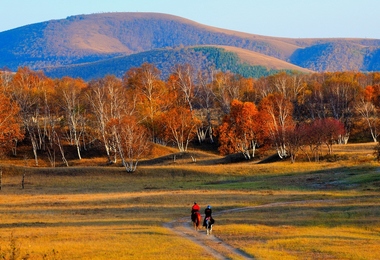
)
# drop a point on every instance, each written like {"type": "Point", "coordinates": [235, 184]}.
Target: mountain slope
{"type": "Point", "coordinates": [236, 60]}
{"type": "Point", "coordinates": [96, 37]}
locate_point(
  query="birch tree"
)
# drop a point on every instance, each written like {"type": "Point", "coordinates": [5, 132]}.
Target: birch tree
{"type": "Point", "coordinates": [185, 76]}
{"type": "Point", "coordinates": [27, 89]}
{"type": "Point", "coordinates": [277, 113]}
{"type": "Point", "coordinates": [368, 111]}
{"type": "Point", "coordinates": [69, 92]}
{"type": "Point", "coordinates": [132, 141]}
{"type": "Point", "coordinates": [206, 102]}
{"type": "Point", "coordinates": [179, 126]}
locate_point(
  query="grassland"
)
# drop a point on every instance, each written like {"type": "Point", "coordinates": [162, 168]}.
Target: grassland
{"type": "Point", "coordinates": [324, 210]}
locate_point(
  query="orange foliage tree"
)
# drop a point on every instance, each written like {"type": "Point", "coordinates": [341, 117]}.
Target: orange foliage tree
{"type": "Point", "coordinates": [28, 89]}
{"type": "Point", "coordinates": [10, 124]}
{"type": "Point", "coordinates": [150, 92]}
{"type": "Point", "coordinates": [240, 130]}
{"type": "Point", "coordinates": [367, 110]}
{"type": "Point", "coordinates": [277, 116]}
{"type": "Point", "coordinates": [179, 126]}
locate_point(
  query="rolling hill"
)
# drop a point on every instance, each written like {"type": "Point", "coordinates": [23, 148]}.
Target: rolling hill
{"type": "Point", "coordinates": [244, 62]}
{"type": "Point", "coordinates": [108, 43]}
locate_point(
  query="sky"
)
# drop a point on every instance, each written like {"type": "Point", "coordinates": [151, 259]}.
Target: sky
{"type": "Point", "coordinates": [280, 18]}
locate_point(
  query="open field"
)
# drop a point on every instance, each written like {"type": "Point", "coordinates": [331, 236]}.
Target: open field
{"type": "Point", "coordinates": [324, 210]}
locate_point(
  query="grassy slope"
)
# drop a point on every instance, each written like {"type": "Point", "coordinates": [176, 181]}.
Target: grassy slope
{"type": "Point", "coordinates": [103, 212]}
{"type": "Point", "coordinates": [258, 59]}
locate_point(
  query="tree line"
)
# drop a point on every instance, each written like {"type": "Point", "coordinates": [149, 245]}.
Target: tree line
{"type": "Point", "coordinates": [291, 112]}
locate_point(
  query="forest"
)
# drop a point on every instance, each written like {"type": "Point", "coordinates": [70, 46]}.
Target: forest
{"type": "Point", "coordinates": [290, 112]}
{"type": "Point", "coordinates": [163, 59]}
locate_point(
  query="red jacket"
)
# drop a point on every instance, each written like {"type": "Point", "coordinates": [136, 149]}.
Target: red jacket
{"type": "Point", "coordinates": [195, 208]}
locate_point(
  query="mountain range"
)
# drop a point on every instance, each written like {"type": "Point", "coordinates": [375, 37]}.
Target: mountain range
{"type": "Point", "coordinates": [91, 46]}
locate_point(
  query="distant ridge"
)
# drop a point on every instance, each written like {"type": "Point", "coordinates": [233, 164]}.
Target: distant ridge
{"type": "Point", "coordinates": [57, 45]}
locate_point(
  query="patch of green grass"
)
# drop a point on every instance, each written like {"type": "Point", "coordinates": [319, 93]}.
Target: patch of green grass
{"type": "Point", "coordinates": [364, 177]}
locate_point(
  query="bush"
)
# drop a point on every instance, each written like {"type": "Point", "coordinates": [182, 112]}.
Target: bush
{"type": "Point", "coordinates": [376, 152]}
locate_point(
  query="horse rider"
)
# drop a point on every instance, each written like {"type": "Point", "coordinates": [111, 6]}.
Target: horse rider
{"type": "Point", "coordinates": [195, 208]}
{"type": "Point", "coordinates": [208, 213]}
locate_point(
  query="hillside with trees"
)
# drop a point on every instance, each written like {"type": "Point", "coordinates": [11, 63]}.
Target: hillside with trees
{"type": "Point", "coordinates": [247, 63]}
{"type": "Point", "coordinates": [84, 39]}
{"type": "Point", "coordinates": [121, 119]}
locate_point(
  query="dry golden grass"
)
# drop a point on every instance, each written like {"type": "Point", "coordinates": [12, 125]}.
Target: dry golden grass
{"type": "Point", "coordinates": [331, 208]}
{"type": "Point", "coordinates": [299, 242]}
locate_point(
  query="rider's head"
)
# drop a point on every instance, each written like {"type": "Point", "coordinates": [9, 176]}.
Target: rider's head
{"type": "Point", "coordinates": [209, 207]}
{"type": "Point", "coordinates": [195, 203]}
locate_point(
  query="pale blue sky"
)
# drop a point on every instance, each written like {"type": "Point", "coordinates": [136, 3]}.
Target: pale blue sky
{"type": "Point", "coordinates": [283, 18]}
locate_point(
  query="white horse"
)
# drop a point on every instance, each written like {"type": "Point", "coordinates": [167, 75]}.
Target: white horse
{"type": "Point", "coordinates": [208, 226]}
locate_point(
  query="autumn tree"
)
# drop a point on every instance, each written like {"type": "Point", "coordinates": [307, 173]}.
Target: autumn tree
{"type": "Point", "coordinates": [10, 124]}
{"type": "Point", "coordinates": [151, 94]}
{"type": "Point", "coordinates": [227, 87]}
{"type": "Point", "coordinates": [132, 140]}
{"type": "Point", "coordinates": [27, 89]}
{"type": "Point", "coordinates": [331, 130]}
{"type": "Point", "coordinates": [368, 112]}
{"type": "Point", "coordinates": [184, 78]}
{"type": "Point", "coordinates": [69, 92]}
{"type": "Point", "coordinates": [240, 130]}
{"type": "Point", "coordinates": [277, 117]}
{"type": "Point", "coordinates": [296, 138]}
{"type": "Point", "coordinates": [321, 131]}
{"type": "Point", "coordinates": [314, 101]}
{"type": "Point", "coordinates": [5, 80]}
{"type": "Point", "coordinates": [107, 98]}
{"type": "Point", "coordinates": [206, 101]}
{"type": "Point", "coordinates": [179, 126]}
{"type": "Point", "coordinates": [341, 91]}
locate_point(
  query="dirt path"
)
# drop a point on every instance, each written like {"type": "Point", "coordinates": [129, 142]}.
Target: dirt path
{"type": "Point", "coordinates": [215, 246]}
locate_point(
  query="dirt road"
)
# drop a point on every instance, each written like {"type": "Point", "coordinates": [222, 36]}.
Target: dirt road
{"type": "Point", "coordinates": [213, 245]}
{"type": "Point", "coordinates": [216, 247]}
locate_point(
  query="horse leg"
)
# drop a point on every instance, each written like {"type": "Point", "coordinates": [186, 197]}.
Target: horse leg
{"type": "Point", "coordinates": [208, 227]}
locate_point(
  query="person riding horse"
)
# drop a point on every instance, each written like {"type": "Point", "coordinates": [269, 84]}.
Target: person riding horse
{"type": "Point", "coordinates": [194, 209]}
{"type": "Point", "coordinates": [208, 213]}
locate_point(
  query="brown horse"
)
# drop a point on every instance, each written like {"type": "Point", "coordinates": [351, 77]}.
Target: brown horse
{"type": "Point", "coordinates": [196, 219]}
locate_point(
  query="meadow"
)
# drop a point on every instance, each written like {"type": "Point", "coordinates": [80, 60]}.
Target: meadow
{"type": "Point", "coordinates": [306, 210]}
